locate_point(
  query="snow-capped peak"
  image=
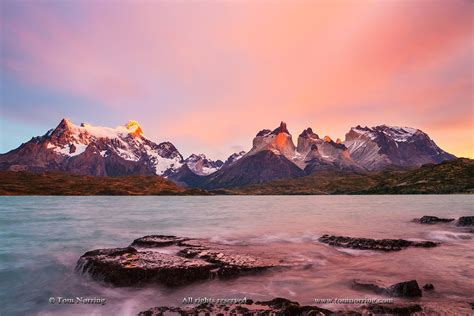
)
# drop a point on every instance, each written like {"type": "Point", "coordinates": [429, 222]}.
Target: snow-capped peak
{"type": "Point", "coordinates": [126, 141]}
{"type": "Point", "coordinates": [134, 128]}
{"type": "Point", "coordinates": [396, 133]}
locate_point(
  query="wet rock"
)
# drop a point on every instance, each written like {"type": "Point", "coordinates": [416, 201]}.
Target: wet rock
{"type": "Point", "coordinates": [402, 289]}
{"type": "Point", "coordinates": [394, 309]}
{"type": "Point", "coordinates": [368, 286]}
{"type": "Point", "coordinates": [373, 244]}
{"type": "Point", "coordinates": [131, 267]}
{"type": "Point", "coordinates": [146, 263]}
{"type": "Point", "coordinates": [278, 302]}
{"type": "Point", "coordinates": [277, 306]}
{"type": "Point", "coordinates": [405, 289]}
{"type": "Point", "coordinates": [428, 287]}
{"type": "Point", "coordinates": [281, 306]}
{"type": "Point", "coordinates": [465, 221]}
{"type": "Point", "coordinates": [432, 220]}
{"type": "Point", "coordinates": [157, 241]}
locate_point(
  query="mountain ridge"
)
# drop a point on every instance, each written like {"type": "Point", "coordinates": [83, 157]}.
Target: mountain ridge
{"type": "Point", "coordinates": [101, 151]}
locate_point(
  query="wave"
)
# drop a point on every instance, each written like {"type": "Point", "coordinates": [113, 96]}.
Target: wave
{"type": "Point", "coordinates": [442, 235]}
{"type": "Point", "coordinates": [266, 239]}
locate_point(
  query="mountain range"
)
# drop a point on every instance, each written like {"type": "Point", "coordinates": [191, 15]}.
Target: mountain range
{"type": "Point", "coordinates": [101, 151]}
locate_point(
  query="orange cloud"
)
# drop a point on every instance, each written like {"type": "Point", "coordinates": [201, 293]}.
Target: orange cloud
{"type": "Point", "coordinates": [218, 72]}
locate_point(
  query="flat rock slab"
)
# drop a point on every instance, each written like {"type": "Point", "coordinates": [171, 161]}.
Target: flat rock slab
{"type": "Point", "coordinates": [373, 244]}
{"type": "Point", "coordinates": [427, 219]}
{"type": "Point", "coordinates": [401, 289]}
{"type": "Point", "coordinates": [143, 262]}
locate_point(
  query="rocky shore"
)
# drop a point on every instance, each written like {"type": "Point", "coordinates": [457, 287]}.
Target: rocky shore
{"type": "Point", "coordinates": [175, 261]}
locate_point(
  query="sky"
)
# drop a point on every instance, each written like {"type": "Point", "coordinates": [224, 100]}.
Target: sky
{"type": "Point", "coordinates": [208, 75]}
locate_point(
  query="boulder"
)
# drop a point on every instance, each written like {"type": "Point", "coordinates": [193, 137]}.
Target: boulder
{"type": "Point", "coordinates": [465, 221]}
{"type": "Point", "coordinates": [402, 289]}
{"type": "Point", "coordinates": [428, 287]}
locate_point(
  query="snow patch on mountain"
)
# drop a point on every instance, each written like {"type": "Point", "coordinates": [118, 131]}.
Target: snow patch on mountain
{"type": "Point", "coordinates": [396, 133]}
{"type": "Point", "coordinates": [234, 157]}
{"type": "Point", "coordinates": [201, 165]}
{"type": "Point", "coordinates": [127, 141]}
{"type": "Point", "coordinates": [377, 147]}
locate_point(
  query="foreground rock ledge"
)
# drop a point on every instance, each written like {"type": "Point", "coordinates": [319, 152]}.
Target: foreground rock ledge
{"type": "Point", "coordinates": [373, 244]}
{"type": "Point", "coordinates": [278, 306]}
{"type": "Point", "coordinates": [168, 260]}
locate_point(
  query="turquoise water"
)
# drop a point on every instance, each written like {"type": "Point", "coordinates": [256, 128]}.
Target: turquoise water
{"type": "Point", "coordinates": [41, 239]}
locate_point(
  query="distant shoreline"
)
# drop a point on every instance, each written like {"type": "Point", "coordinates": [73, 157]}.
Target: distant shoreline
{"type": "Point", "coordinates": [453, 177]}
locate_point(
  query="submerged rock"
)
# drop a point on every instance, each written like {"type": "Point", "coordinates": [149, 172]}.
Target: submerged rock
{"type": "Point", "coordinates": [465, 221]}
{"type": "Point", "coordinates": [428, 287]}
{"type": "Point", "coordinates": [192, 260]}
{"type": "Point", "coordinates": [373, 244]}
{"type": "Point", "coordinates": [432, 220]}
{"type": "Point", "coordinates": [402, 289]}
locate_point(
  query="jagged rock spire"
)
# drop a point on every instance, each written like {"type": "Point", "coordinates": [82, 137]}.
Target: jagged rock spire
{"type": "Point", "coordinates": [281, 129]}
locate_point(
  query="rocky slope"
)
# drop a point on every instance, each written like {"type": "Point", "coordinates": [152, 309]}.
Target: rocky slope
{"type": "Point", "coordinates": [324, 154]}
{"type": "Point", "coordinates": [383, 146]}
{"type": "Point", "coordinates": [260, 167]}
{"type": "Point", "coordinates": [455, 176]}
{"type": "Point", "coordinates": [201, 165]}
{"type": "Point", "coordinates": [102, 151]}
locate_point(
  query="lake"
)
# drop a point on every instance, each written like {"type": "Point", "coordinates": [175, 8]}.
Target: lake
{"type": "Point", "coordinates": [41, 239]}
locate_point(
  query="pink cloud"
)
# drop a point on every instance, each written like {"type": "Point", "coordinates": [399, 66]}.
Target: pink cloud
{"type": "Point", "coordinates": [216, 71]}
